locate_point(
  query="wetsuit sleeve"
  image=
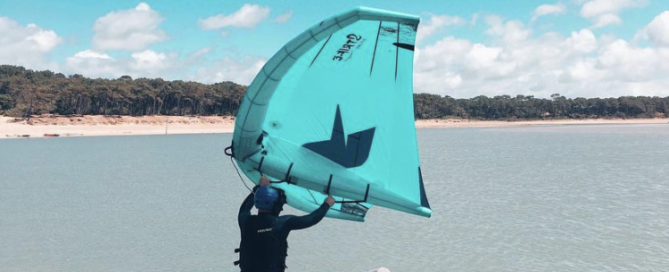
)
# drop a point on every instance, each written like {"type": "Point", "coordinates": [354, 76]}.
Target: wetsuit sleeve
{"type": "Point", "coordinates": [303, 222]}
{"type": "Point", "coordinates": [245, 209]}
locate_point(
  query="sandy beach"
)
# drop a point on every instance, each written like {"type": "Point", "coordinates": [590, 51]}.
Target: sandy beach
{"type": "Point", "coordinates": [111, 126]}
{"type": "Point", "coordinates": [40, 127]}
{"type": "Point", "coordinates": [444, 123]}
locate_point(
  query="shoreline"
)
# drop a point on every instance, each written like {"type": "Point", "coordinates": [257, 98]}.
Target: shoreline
{"type": "Point", "coordinates": [450, 123]}
{"type": "Point", "coordinates": [61, 126]}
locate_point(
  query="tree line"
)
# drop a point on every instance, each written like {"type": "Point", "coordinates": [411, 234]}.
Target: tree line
{"type": "Point", "coordinates": [25, 92]}
{"type": "Point", "coordinates": [505, 107]}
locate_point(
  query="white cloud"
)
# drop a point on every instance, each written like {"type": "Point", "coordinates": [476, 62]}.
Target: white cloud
{"type": "Point", "coordinates": [606, 12]}
{"type": "Point", "coordinates": [27, 45]}
{"type": "Point", "coordinates": [515, 62]}
{"type": "Point", "coordinates": [93, 64]}
{"type": "Point", "coordinates": [241, 71]}
{"type": "Point", "coordinates": [628, 63]}
{"type": "Point", "coordinates": [132, 30]}
{"type": "Point", "coordinates": [598, 7]}
{"type": "Point", "coordinates": [581, 70]}
{"type": "Point", "coordinates": [284, 17]}
{"type": "Point", "coordinates": [147, 63]}
{"type": "Point", "coordinates": [547, 9]}
{"type": "Point", "coordinates": [450, 62]}
{"type": "Point", "coordinates": [90, 54]}
{"type": "Point", "coordinates": [143, 7]}
{"type": "Point", "coordinates": [509, 32]}
{"type": "Point", "coordinates": [248, 16]}
{"type": "Point", "coordinates": [514, 58]}
{"type": "Point", "coordinates": [436, 23]}
{"type": "Point", "coordinates": [583, 41]}
{"type": "Point", "coordinates": [658, 30]}
{"type": "Point", "coordinates": [148, 60]}
{"type": "Point", "coordinates": [166, 65]}
{"type": "Point", "coordinates": [606, 19]}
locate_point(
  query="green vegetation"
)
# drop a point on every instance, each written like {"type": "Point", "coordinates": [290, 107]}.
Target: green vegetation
{"type": "Point", "coordinates": [25, 92]}
{"type": "Point", "coordinates": [504, 107]}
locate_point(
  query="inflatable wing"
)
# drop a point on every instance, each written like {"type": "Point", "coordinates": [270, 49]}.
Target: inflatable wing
{"type": "Point", "coordinates": [332, 113]}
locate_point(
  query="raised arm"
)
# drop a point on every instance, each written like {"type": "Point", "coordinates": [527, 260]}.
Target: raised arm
{"type": "Point", "coordinates": [303, 222]}
{"type": "Point", "coordinates": [247, 205]}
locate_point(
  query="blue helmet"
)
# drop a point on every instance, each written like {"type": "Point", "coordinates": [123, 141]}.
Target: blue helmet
{"type": "Point", "coordinates": [266, 198]}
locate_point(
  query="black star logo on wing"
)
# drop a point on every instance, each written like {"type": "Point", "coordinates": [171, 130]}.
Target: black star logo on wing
{"type": "Point", "coordinates": [351, 153]}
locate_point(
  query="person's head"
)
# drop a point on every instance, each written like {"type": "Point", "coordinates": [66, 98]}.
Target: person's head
{"type": "Point", "coordinates": [270, 200]}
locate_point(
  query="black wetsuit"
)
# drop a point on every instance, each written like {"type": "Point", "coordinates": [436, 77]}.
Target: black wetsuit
{"type": "Point", "coordinates": [264, 246]}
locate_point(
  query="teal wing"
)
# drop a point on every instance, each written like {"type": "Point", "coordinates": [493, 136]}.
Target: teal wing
{"type": "Point", "coordinates": [332, 112]}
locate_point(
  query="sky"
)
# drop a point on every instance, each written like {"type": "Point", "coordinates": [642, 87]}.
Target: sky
{"type": "Point", "coordinates": [577, 48]}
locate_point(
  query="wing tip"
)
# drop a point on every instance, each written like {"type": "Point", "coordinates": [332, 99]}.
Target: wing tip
{"type": "Point", "coordinates": [374, 12]}
{"type": "Point", "coordinates": [423, 197]}
{"type": "Point", "coordinates": [424, 211]}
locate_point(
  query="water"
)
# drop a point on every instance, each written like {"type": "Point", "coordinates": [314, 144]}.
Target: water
{"type": "Point", "coordinates": [562, 198]}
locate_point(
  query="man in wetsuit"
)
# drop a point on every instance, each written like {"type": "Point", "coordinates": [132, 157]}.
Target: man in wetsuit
{"type": "Point", "coordinates": [264, 247]}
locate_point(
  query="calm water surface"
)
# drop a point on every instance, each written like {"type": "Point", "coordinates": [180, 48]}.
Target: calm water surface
{"type": "Point", "coordinates": [554, 198]}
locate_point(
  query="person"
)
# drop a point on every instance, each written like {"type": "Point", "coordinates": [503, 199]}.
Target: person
{"type": "Point", "coordinates": [264, 245]}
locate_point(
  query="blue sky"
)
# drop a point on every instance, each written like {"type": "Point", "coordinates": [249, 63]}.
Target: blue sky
{"type": "Point", "coordinates": [588, 48]}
